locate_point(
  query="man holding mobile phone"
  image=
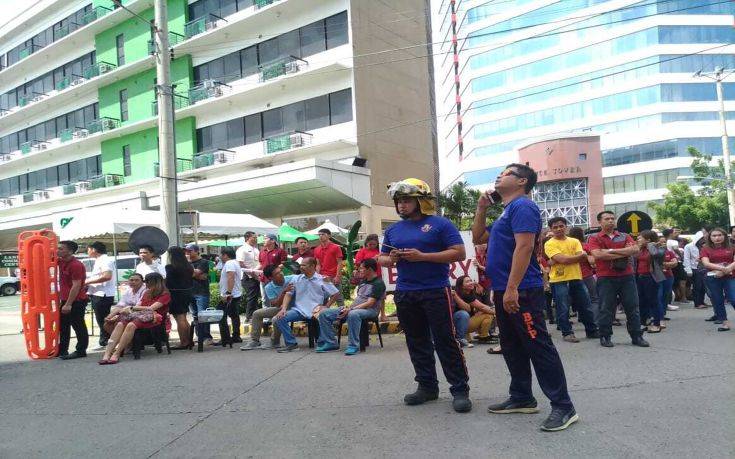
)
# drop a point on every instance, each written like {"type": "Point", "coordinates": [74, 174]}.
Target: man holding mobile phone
{"type": "Point", "coordinates": [421, 246]}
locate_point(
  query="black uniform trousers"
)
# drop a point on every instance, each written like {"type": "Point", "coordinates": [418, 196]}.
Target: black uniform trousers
{"type": "Point", "coordinates": [251, 295]}
{"type": "Point", "coordinates": [525, 341]}
{"type": "Point", "coordinates": [74, 319]}
{"type": "Point", "coordinates": [101, 306]}
{"type": "Point", "coordinates": [426, 319]}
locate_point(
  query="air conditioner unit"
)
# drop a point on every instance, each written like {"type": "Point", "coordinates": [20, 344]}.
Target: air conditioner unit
{"type": "Point", "coordinates": [108, 124]}
{"type": "Point", "coordinates": [84, 186]}
{"type": "Point", "coordinates": [214, 91]}
{"type": "Point", "coordinates": [41, 195]}
{"type": "Point", "coordinates": [209, 25]}
{"type": "Point", "coordinates": [297, 140]}
{"type": "Point", "coordinates": [6, 202]}
{"type": "Point", "coordinates": [104, 68]}
{"type": "Point", "coordinates": [76, 81]}
{"type": "Point", "coordinates": [81, 133]}
{"type": "Point", "coordinates": [219, 157]}
{"type": "Point", "coordinates": [292, 67]}
{"type": "Point", "coordinates": [209, 84]}
{"type": "Point", "coordinates": [41, 146]}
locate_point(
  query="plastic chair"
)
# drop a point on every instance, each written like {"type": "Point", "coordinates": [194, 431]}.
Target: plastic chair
{"type": "Point", "coordinates": [155, 336]}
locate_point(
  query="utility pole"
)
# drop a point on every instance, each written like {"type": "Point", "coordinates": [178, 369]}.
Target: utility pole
{"type": "Point", "coordinates": [718, 75]}
{"type": "Point", "coordinates": [166, 144]}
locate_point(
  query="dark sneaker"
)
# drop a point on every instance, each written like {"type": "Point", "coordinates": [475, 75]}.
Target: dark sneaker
{"type": "Point", "coordinates": [593, 334]}
{"type": "Point", "coordinates": [605, 341]}
{"type": "Point", "coordinates": [559, 419]}
{"type": "Point", "coordinates": [462, 403]}
{"type": "Point", "coordinates": [640, 342]}
{"type": "Point", "coordinates": [420, 396]}
{"type": "Point", "coordinates": [73, 355]}
{"type": "Point", "coordinates": [511, 406]}
{"type": "Point", "coordinates": [288, 348]}
{"type": "Point", "coordinates": [711, 319]}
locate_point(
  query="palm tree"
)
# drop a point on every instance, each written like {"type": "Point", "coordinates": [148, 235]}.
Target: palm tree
{"type": "Point", "coordinates": [458, 203]}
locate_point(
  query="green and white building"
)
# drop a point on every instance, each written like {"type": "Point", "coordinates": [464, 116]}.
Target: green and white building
{"type": "Point", "coordinates": [285, 109]}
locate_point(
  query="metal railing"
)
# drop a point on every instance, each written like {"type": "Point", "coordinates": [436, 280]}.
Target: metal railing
{"type": "Point", "coordinates": [106, 181]}
{"type": "Point", "coordinates": [6, 202]}
{"type": "Point", "coordinates": [173, 39]}
{"type": "Point", "coordinates": [280, 67]}
{"type": "Point", "coordinates": [284, 142]}
{"type": "Point", "coordinates": [206, 90]}
{"type": "Point", "coordinates": [71, 133]}
{"type": "Point", "coordinates": [94, 14]}
{"type": "Point", "coordinates": [213, 157]}
{"type": "Point", "coordinates": [180, 101]}
{"type": "Point", "coordinates": [201, 25]}
{"type": "Point", "coordinates": [27, 51]}
{"type": "Point", "coordinates": [36, 195]}
{"type": "Point", "coordinates": [102, 124]}
{"type": "Point", "coordinates": [262, 3]}
{"type": "Point", "coordinates": [98, 69]}
{"type": "Point", "coordinates": [27, 147]}
{"type": "Point", "coordinates": [182, 165]}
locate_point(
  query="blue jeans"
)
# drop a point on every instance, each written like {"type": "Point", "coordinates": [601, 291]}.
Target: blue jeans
{"type": "Point", "coordinates": [200, 303]}
{"type": "Point", "coordinates": [284, 324]}
{"type": "Point", "coordinates": [664, 290]}
{"type": "Point", "coordinates": [354, 322]}
{"type": "Point", "coordinates": [461, 323]}
{"type": "Point", "coordinates": [721, 289]}
{"type": "Point", "coordinates": [576, 292]}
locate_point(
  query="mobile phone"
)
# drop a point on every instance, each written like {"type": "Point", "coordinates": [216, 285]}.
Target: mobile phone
{"type": "Point", "coordinates": [494, 197]}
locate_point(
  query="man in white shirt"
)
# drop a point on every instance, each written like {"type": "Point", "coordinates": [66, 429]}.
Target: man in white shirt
{"type": "Point", "coordinates": [101, 286]}
{"type": "Point", "coordinates": [230, 291]}
{"type": "Point", "coordinates": [148, 264]}
{"type": "Point", "coordinates": [248, 256]}
{"type": "Point", "coordinates": [694, 269]}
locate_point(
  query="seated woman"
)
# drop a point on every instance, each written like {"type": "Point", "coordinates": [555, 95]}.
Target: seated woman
{"type": "Point", "coordinates": [471, 314]}
{"type": "Point", "coordinates": [149, 313]}
{"type": "Point", "coordinates": [130, 297]}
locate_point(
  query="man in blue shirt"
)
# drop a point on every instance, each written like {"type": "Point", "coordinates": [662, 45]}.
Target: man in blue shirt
{"type": "Point", "coordinates": [309, 291]}
{"type": "Point", "coordinates": [421, 246]}
{"type": "Point", "coordinates": [517, 285]}
{"type": "Point", "coordinates": [275, 291]}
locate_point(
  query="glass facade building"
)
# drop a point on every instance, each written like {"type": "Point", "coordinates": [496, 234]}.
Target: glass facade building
{"type": "Point", "coordinates": [529, 70]}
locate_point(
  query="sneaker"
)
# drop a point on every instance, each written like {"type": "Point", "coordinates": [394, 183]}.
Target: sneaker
{"type": "Point", "coordinates": [288, 348]}
{"type": "Point", "coordinates": [559, 419]}
{"type": "Point", "coordinates": [605, 341]}
{"type": "Point", "coordinates": [671, 307]}
{"type": "Point", "coordinates": [251, 345]}
{"type": "Point", "coordinates": [351, 350]}
{"type": "Point", "coordinates": [209, 341]}
{"type": "Point", "coordinates": [237, 339]}
{"type": "Point", "coordinates": [462, 403]}
{"type": "Point", "coordinates": [421, 396]}
{"type": "Point", "coordinates": [640, 342]}
{"type": "Point", "coordinates": [711, 319]}
{"type": "Point", "coordinates": [327, 348]}
{"type": "Point", "coordinates": [593, 334]}
{"type": "Point", "coordinates": [99, 348]}
{"type": "Point", "coordinates": [464, 343]}
{"type": "Point", "coordinates": [269, 345]}
{"type": "Point", "coordinates": [511, 406]}
{"type": "Point", "coordinates": [570, 338]}
{"type": "Point", "coordinates": [73, 355]}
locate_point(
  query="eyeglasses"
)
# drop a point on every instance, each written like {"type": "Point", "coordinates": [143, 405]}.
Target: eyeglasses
{"type": "Point", "coordinates": [510, 172]}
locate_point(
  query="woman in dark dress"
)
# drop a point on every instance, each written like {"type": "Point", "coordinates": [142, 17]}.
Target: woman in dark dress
{"type": "Point", "coordinates": [179, 281]}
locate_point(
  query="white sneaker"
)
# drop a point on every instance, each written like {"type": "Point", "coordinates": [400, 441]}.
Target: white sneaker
{"type": "Point", "coordinates": [671, 307]}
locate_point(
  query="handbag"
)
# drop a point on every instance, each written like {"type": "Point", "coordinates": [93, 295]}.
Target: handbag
{"type": "Point", "coordinates": [210, 316]}
{"type": "Point", "coordinates": [146, 316]}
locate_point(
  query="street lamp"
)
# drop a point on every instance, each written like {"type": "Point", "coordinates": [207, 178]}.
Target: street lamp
{"type": "Point", "coordinates": [717, 76]}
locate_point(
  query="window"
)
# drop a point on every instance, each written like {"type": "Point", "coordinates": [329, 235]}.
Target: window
{"type": "Point", "coordinates": [288, 44]}
{"type": "Point", "coordinates": [340, 106]}
{"type": "Point", "coordinates": [253, 129]}
{"type": "Point", "coordinates": [127, 165]}
{"type": "Point", "coordinates": [124, 105]}
{"type": "Point", "coordinates": [272, 123]}
{"type": "Point", "coordinates": [317, 112]}
{"type": "Point", "coordinates": [583, 156]}
{"type": "Point", "coordinates": [337, 30]}
{"type": "Point", "coordinates": [313, 39]}
{"type": "Point", "coordinates": [235, 133]}
{"type": "Point", "coordinates": [120, 45]}
{"type": "Point", "coordinates": [249, 61]}
{"type": "Point", "coordinates": [293, 117]}
{"type": "Point", "coordinates": [219, 135]}
{"type": "Point", "coordinates": [232, 67]}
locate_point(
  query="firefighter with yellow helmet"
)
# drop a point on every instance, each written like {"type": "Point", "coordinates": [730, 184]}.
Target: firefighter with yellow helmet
{"type": "Point", "coordinates": [421, 246]}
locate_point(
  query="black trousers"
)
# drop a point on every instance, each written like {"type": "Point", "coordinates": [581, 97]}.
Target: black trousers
{"type": "Point", "coordinates": [74, 319]}
{"type": "Point", "coordinates": [232, 311]}
{"type": "Point", "coordinates": [101, 306]}
{"type": "Point", "coordinates": [251, 295]}
{"type": "Point", "coordinates": [427, 314]}
{"type": "Point", "coordinates": [525, 341]}
{"type": "Point", "coordinates": [698, 286]}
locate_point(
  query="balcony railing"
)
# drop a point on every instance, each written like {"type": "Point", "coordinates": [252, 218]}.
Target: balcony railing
{"type": "Point", "coordinates": [36, 195]}
{"type": "Point", "coordinates": [173, 39]}
{"type": "Point", "coordinates": [98, 69]}
{"type": "Point", "coordinates": [94, 14]}
{"type": "Point", "coordinates": [72, 133]}
{"type": "Point", "coordinates": [106, 181]}
{"type": "Point", "coordinates": [27, 147]}
{"type": "Point", "coordinates": [214, 157]}
{"type": "Point", "coordinates": [3, 112]}
{"type": "Point", "coordinates": [6, 202]}
{"type": "Point", "coordinates": [180, 101]}
{"type": "Point", "coordinates": [284, 142]}
{"type": "Point", "coordinates": [201, 25]}
{"type": "Point", "coordinates": [65, 30]}
{"type": "Point", "coordinates": [102, 124]}
{"type": "Point", "coordinates": [182, 165]}
{"type": "Point", "coordinates": [5, 157]}
{"type": "Point", "coordinates": [206, 90]}
{"type": "Point", "coordinates": [27, 51]}
{"type": "Point", "coordinates": [67, 81]}
{"type": "Point", "coordinates": [280, 67]}
{"type": "Point", "coordinates": [262, 3]}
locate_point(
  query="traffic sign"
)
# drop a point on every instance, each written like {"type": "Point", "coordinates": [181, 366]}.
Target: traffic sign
{"type": "Point", "coordinates": [634, 222]}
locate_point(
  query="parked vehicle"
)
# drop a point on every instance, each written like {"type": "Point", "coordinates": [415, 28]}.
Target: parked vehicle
{"type": "Point", "coordinates": [9, 285]}
{"type": "Point", "coordinates": [125, 265]}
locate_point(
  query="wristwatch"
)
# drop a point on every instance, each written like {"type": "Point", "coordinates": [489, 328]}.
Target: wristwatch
{"type": "Point", "coordinates": [228, 293]}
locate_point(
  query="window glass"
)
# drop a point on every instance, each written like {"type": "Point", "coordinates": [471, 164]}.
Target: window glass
{"type": "Point", "coordinates": [340, 106]}
{"type": "Point", "coordinates": [317, 112]}
{"type": "Point", "coordinates": [253, 129]}
{"type": "Point", "coordinates": [201, 73]}
{"type": "Point", "coordinates": [204, 139]}
{"type": "Point", "coordinates": [124, 105]}
{"type": "Point", "coordinates": [640, 182]}
{"type": "Point", "coordinates": [294, 117]}
{"type": "Point", "coordinates": [127, 164]}
{"type": "Point", "coordinates": [52, 177]}
{"type": "Point", "coordinates": [227, 7]}
{"type": "Point", "coordinates": [249, 61]}
{"type": "Point", "coordinates": [217, 69]}
{"type": "Point", "coordinates": [78, 170]}
{"type": "Point", "coordinates": [219, 135]}
{"type": "Point", "coordinates": [313, 39]}
{"type": "Point", "coordinates": [629, 183]}
{"type": "Point", "coordinates": [235, 133]}
{"type": "Point", "coordinates": [272, 123]}
{"type": "Point", "coordinates": [268, 50]}
{"type": "Point", "coordinates": [232, 67]}
{"type": "Point", "coordinates": [120, 47]}
{"type": "Point", "coordinates": [288, 44]}
{"type": "Point", "coordinates": [337, 30]}
{"type": "Point", "coordinates": [50, 128]}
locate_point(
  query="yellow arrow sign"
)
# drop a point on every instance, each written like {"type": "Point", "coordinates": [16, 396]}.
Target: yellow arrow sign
{"type": "Point", "coordinates": [634, 219]}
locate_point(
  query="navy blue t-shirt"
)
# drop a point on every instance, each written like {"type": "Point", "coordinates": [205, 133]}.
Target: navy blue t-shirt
{"type": "Point", "coordinates": [521, 215]}
{"type": "Point", "coordinates": [431, 234]}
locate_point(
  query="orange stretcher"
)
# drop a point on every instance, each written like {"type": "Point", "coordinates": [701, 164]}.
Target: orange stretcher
{"type": "Point", "coordinates": [39, 296]}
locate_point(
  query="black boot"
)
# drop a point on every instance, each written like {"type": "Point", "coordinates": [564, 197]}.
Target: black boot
{"type": "Point", "coordinates": [462, 403]}
{"type": "Point", "coordinates": [421, 395]}
{"type": "Point", "coordinates": [640, 342]}
{"type": "Point", "coordinates": [606, 342]}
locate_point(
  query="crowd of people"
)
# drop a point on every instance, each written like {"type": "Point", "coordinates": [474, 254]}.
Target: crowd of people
{"type": "Point", "coordinates": [528, 275]}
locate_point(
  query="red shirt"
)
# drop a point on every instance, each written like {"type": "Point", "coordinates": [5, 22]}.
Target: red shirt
{"type": "Point", "coordinates": [70, 271]}
{"type": "Point", "coordinates": [644, 262]}
{"type": "Point", "coordinates": [164, 298]}
{"type": "Point", "coordinates": [669, 256]}
{"type": "Point", "coordinates": [328, 257]}
{"type": "Point", "coordinates": [603, 241]}
{"type": "Point", "coordinates": [719, 256]}
{"type": "Point", "coordinates": [308, 253]}
{"type": "Point", "coordinates": [587, 270]}
{"type": "Point", "coordinates": [275, 256]}
{"type": "Point", "coordinates": [365, 254]}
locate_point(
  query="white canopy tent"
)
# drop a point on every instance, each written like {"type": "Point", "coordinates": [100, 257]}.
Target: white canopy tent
{"type": "Point", "coordinates": [336, 230]}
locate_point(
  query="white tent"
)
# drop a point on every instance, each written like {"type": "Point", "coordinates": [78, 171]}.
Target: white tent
{"type": "Point", "coordinates": [105, 223]}
{"type": "Point", "coordinates": [331, 227]}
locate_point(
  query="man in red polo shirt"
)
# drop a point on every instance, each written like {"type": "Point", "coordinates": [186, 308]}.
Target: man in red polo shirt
{"type": "Point", "coordinates": [330, 261]}
{"type": "Point", "coordinates": [73, 299]}
{"type": "Point", "coordinates": [270, 254]}
{"type": "Point", "coordinates": [613, 251]}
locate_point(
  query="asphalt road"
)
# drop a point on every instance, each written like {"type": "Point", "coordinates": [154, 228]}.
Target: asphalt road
{"type": "Point", "coordinates": [676, 399]}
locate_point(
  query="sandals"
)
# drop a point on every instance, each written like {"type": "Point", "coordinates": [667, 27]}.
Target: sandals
{"type": "Point", "coordinates": [723, 329]}
{"type": "Point", "coordinates": [495, 350]}
{"type": "Point", "coordinates": [653, 329]}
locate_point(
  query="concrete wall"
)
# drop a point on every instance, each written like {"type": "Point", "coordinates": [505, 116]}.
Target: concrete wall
{"type": "Point", "coordinates": [392, 94]}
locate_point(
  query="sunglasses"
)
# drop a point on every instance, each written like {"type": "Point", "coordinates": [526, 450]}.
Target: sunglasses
{"type": "Point", "coordinates": [507, 172]}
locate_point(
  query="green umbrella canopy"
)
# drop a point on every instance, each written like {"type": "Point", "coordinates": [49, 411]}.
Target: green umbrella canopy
{"type": "Point", "coordinates": [234, 242]}
{"type": "Point", "coordinates": [288, 233]}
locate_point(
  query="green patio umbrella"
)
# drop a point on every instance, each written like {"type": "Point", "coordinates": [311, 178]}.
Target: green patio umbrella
{"type": "Point", "coordinates": [288, 233]}
{"type": "Point", "coordinates": [234, 242]}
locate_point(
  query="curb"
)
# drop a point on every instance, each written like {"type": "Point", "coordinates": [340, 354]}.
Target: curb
{"type": "Point", "coordinates": [299, 329]}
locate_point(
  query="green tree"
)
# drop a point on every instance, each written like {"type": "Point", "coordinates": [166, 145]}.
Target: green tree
{"type": "Point", "coordinates": [458, 204]}
{"type": "Point", "coordinates": [689, 209]}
